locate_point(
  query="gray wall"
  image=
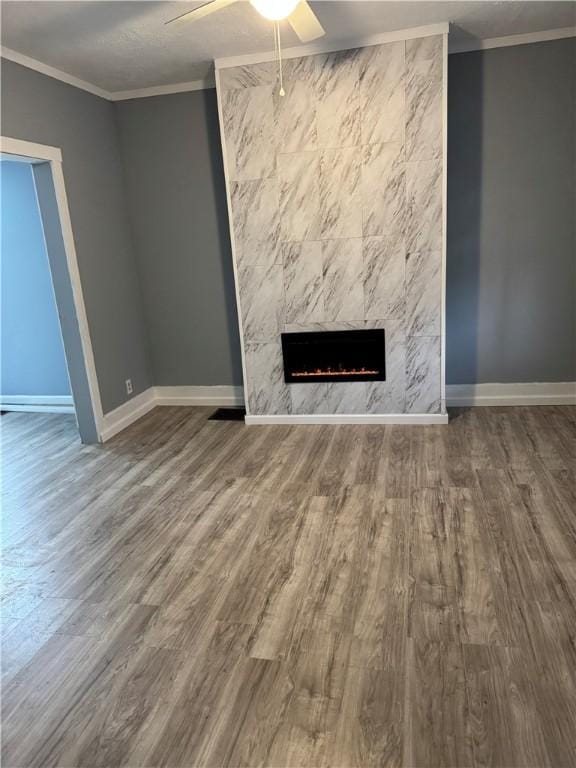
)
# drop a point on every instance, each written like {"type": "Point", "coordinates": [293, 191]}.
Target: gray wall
{"type": "Point", "coordinates": [511, 210]}
{"type": "Point", "coordinates": [175, 182]}
{"type": "Point", "coordinates": [40, 109]}
{"type": "Point", "coordinates": [33, 361]}
{"type": "Point", "coordinates": [511, 269]}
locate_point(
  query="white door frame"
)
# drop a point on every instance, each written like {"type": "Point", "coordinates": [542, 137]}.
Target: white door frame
{"type": "Point", "coordinates": [34, 153]}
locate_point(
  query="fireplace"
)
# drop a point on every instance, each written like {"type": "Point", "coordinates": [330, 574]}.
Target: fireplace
{"type": "Point", "coordinates": [334, 356]}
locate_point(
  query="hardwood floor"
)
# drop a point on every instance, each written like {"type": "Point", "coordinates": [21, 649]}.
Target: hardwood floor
{"type": "Point", "coordinates": [201, 593]}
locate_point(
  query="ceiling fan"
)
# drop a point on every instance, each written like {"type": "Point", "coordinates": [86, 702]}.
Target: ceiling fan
{"type": "Point", "coordinates": [298, 13]}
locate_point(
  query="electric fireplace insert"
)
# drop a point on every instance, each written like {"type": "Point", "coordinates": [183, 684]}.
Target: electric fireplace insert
{"type": "Point", "coordinates": [334, 356]}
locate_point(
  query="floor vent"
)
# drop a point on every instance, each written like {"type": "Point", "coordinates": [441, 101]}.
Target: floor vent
{"type": "Point", "coordinates": [228, 414]}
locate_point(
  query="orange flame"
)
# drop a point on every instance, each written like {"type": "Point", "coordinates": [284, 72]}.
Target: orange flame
{"type": "Point", "coordinates": [329, 372]}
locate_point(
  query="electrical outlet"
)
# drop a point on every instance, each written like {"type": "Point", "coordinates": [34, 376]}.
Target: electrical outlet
{"type": "Point", "coordinates": [128, 386]}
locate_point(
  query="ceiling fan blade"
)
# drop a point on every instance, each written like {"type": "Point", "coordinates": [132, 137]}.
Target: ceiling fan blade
{"type": "Point", "coordinates": [203, 10]}
{"type": "Point", "coordinates": [305, 23]}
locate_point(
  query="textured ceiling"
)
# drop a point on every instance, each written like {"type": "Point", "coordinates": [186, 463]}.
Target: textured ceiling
{"type": "Point", "coordinates": [125, 45]}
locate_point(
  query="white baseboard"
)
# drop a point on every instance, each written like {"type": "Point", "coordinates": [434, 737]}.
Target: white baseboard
{"type": "Point", "coordinates": [139, 406]}
{"type": "Point", "coordinates": [456, 395]}
{"type": "Point", "coordinates": [223, 395]}
{"type": "Point", "coordinates": [563, 393]}
{"type": "Point", "coordinates": [352, 418]}
{"type": "Point", "coordinates": [127, 414]}
{"type": "Point", "coordinates": [37, 403]}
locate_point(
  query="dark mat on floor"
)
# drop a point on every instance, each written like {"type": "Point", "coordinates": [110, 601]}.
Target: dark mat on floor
{"type": "Point", "coordinates": [228, 414]}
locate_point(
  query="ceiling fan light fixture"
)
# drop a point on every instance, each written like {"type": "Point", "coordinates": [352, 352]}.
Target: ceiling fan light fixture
{"type": "Point", "coordinates": [275, 10]}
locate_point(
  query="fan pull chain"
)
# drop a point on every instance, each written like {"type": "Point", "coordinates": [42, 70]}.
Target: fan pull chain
{"type": "Point", "coordinates": [279, 56]}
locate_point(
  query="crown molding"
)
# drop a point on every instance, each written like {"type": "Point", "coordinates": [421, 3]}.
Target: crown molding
{"type": "Point", "coordinates": [299, 50]}
{"type": "Point", "coordinates": [339, 45]}
{"type": "Point", "coordinates": [138, 93]}
{"type": "Point", "coordinates": [164, 90]}
{"type": "Point", "coordinates": [57, 74]}
{"type": "Point", "coordinates": [509, 40]}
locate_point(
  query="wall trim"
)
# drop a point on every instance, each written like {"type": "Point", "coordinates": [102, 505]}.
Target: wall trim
{"type": "Point", "coordinates": [352, 418]}
{"type": "Point", "coordinates": [508, 40]}
{"type": "Point", "coordinates": [77, 291]}
{"type": "Point", "coordinates": [217, 395]}
{"type": "Point", "coordinates": [95, 90]}
{"type": "Point", "coordinates": [338, 45]}
{"type": "Point", "coordinates": [29, 151]}
{"type": "Point", "coordinates": [127, 413]}
{"type": "Point", "coordinates": [226, 395]}
{"type": "Point", "coordinates": [163, 90]}
{"type": "Point", "coordinates": [138, 406]}
{"type": "Point", "coordinates": [57, 74]}
{"type": "Point", "coordinates": [445, 39]}
{"type": "Point", "coordinates": [37, 403]}
{"type": "Point", "coordinates": [301, 50]}
{"type": "Point", "coordinates": [231, 233]}
{"type": "Point", "coordinates": [553, 393]}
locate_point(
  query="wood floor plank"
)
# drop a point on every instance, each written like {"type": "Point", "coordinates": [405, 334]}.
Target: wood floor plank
{"type": "Point", "coordinates": [257, 697]}
{"type": "Point", "coordinates": [369, 730]}
{"type": "Point", "coordinates": [438, 728]}
{"type": "Point", "coordinates": [505, 725]}
{"type": "Point", "coordinates": [433, 613]}
{"type": "Point", "coordinates": [200, 594]}
{"type": "Point", "coordinates": [135, 696]}
{"type": "Point", "coordinates": [432, 545]}
{"type": "Point", "coordinates": [24, 638]}
{"type": "Point", "coordinates": [476, 565]}
{"type": "Point", "coordinates": [43, 723]}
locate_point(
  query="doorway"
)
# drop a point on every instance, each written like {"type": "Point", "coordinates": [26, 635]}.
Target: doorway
{"type": "Point", "coordinates": [33, 372]}
{"type": "Point", "coordinates": [48, 314]}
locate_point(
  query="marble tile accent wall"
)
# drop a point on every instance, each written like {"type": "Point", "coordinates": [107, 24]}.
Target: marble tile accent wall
{"type": "Point", "coordinates": [383, 189]}
{"type": "Point", "coordinates": [384, 277]}
{"type": "Point", "coordinates": [342, 279]}
{"type": "Point", "coordinates": [338, 99]}
{"type": "Point", "coordinates": [256, 219]}
{"type": "Point", "coordinates": [262, 301]}
{"type": "Point", "coordinates": [336, 208]}
{"type": "Point", "coordinates": [303, 281]}
{"type": "Point", "coordinates": [382, 94]}
{"type": "Point", "coordinates": [299, 196]}
{"type": "Point", "coordinates": [340, 197]}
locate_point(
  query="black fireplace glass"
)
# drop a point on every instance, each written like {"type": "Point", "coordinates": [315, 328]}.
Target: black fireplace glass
{"type": "Point", "coordinates": [334, 356]}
